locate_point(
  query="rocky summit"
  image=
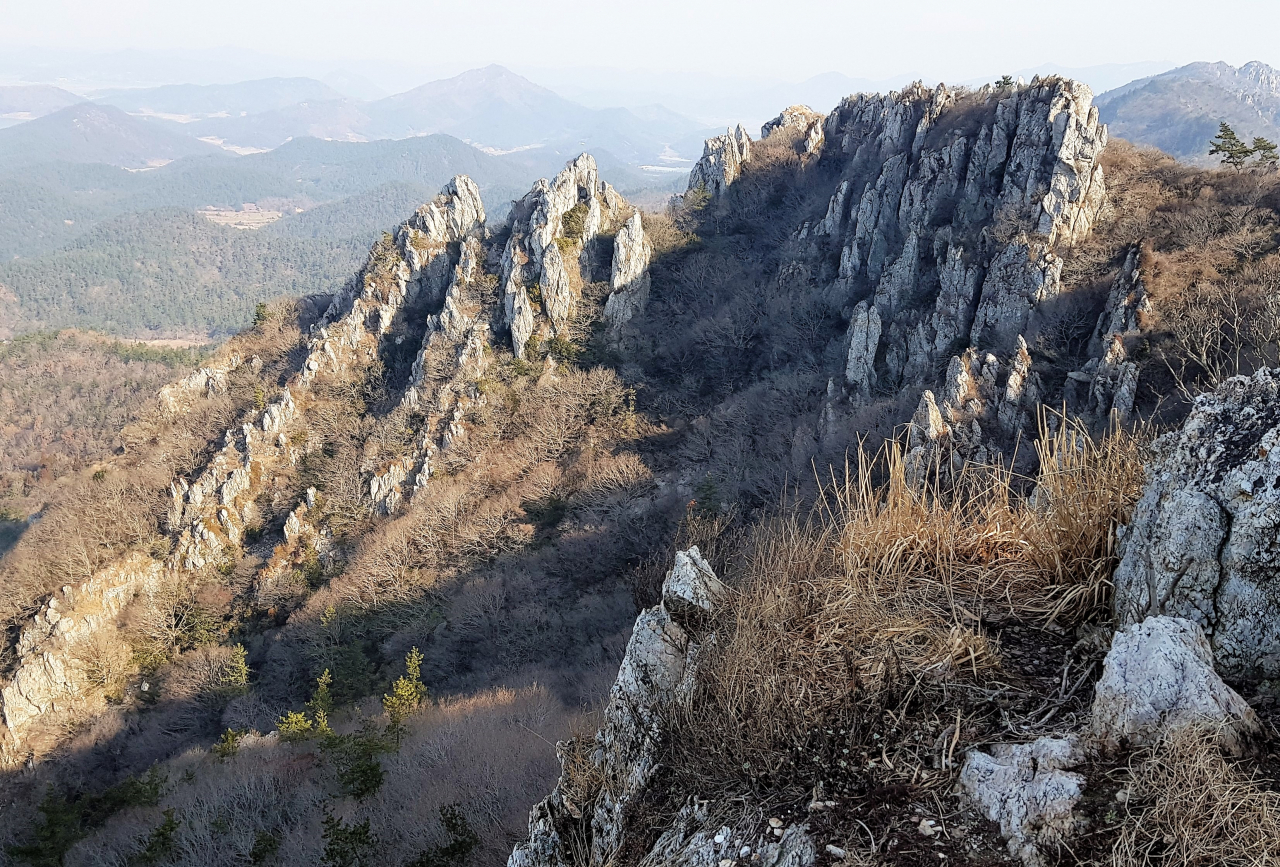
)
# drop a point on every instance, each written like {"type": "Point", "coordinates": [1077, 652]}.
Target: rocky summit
{"type": "Point", "coordinates": [813, 517]}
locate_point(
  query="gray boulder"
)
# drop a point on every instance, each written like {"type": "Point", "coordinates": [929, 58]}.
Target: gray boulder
{"type": "Point", "coordinates": [1028, 790]}
{"type": "Point", "coordinates": [1159, 676]}
{"type": "Point", "coordinates": [1204, 542]}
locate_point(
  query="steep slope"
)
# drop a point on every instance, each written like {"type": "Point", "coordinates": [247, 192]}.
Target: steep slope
{"type": "Point", "coordinates": [432, 283]}
{"type": "Point", "coordinates": [1179, 111]}
{"type": "Point", "coordinates": [87, 133]}
{"type": "Point", "coordinates": [482, 453]}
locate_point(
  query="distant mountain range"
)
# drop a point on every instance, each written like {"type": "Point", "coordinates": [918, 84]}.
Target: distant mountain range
{"type": "Point", "coordinates": [90, 133]}
{"type": "Point", "coordinates": [25, 102]}
{"type": "Point", "coordinates": [1179, 111]}
{"type": "Point", "coordinates": [491, 108]}
{"type": "Point", "coordinates": [214, 100]}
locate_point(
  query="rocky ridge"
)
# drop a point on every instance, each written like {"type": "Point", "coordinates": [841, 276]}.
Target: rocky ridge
{"type": "Point", "coordinates": [550, 233]}
{"type": "Point", "coordinates": [658, 668]}
{"type": "Point", "coordinates": [441, 258]}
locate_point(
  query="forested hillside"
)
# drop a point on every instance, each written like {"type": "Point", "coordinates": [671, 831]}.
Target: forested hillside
{"type": "Point", "coordinates": [168, 271]}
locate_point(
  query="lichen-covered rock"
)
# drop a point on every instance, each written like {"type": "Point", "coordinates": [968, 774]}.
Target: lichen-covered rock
{"type": "Point", "coordinates": [629, 281]}
{"type": "Point", "coordinates": [538, 222]}
{"type": "Point", "coordinates": [1204, 541]}
{"type": "Point", "coordinates": [864, 340]}
{"type": "Point", "coordinates": [721, 162]}
{"type": "Point", "coordinates": [803, 123]}
{"type": "Point", "coordinates": [1029, 791]}
{"type": "Point", "coordinates": [656, 667]}
{"type": "Point", "coordinates": [692, 589]}
{"type": "Point", "coordinates": [693, 840]}
{"type": "Point", "coordinates": [1159, 676]}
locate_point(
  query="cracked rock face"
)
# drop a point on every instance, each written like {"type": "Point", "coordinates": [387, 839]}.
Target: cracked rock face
{"type": "Point", "coordinates": [630, 278]}
{"type": "Point", "coordinates": [1204, 542]}
{"type": "Point", "coordinates": [532, 255]}
{"type": "Point", "coordinates": [1159, 676]}
{"type": "Point", "coordinates": [1028, 790]}
{"type": "Point", "coordinates": [950, 210]}
{"type": "Point", "coordinates": [722, 159]}
{"type": "Point", "coordinates": [657, 666]}
{"type": "Point", "coordinates": [864, 338]}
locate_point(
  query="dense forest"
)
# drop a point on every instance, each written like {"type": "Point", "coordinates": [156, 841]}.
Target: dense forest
{"type": "Point", "coordinates": [169, 271]}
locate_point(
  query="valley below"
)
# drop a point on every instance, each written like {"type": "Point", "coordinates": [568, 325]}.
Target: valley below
{"type": "Point", "coordinates": [895, 484]}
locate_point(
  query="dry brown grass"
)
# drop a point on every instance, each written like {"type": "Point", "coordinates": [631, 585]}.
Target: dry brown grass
{"type": "Point", "coordinates": [1188, 806]}
{"type": "Point", "coordinates": [860, 628]}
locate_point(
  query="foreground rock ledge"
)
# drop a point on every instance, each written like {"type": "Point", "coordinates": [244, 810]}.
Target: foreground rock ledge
{"type": "Point", "coordinates": [1204, 543]}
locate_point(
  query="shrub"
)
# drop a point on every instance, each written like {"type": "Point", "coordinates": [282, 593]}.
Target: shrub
{"type": "Point", "coordinates": [462, 841]}
{"type": "Point", "coordinates": [160, 841]}
{"type": "Point", "coordinates": [228, 744]}
{"type": "Point", "coordinates": [574, 222]}
{"type": "Point", "coordinates": [349, 846]}
{"type": "Point", "coordinates": [294, 727]}
{"type": "Point", "coordinates": [849, 629]}
{"type": "Point", "coordinates": [355, 762]}
{"type": "Point", "coordinates": [407, 693]}
{"type": "Point", "coordinates": [66, 820]}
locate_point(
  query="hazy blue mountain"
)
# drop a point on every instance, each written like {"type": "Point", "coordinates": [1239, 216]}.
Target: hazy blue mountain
{"type": "Point", "coordinates": [500, 110]}
{"type": "Point", "coordinates": [45, 206]}
{"type": "Point", "coordinates": [492, 107]}
{"type": "Point", "coordinates": [1179, 111]}
{"type": "Point", "coordinates": [19, 102]}
{"type": "Point", "coordinates": [338, 119]}
{"type": "Point", "coordinates": [88, 133]}
{"type": "Point", "coordinates": [354, 86]}
{"type": "Point", "coordinates": [206, 100]}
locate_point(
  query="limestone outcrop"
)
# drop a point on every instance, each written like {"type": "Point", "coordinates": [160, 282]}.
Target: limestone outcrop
{"type": "Point", "coordinates": [56, 651]}
{"type": "Point", "coordinates": [549, 230]}
{"type": "Point", "coordinates": [1204, 542]}
{"type": "Point", "coordinates": [1029, 791]}
{"type": "Point", "coordinates": [951, 211]}
{"type": "Point", "coordinates": [1108, 383]}
{"type": "Point", "coordinates": [801, 122]}
{"type": "Point", "coordinates": [722, 159]}
{"type": "Point", "coordinates": [1159, 676]}
{"type": "Point", "coordinates": [657, 668]}
{"type": "Point", "coordinates": [629, 281]}
{"type": "Point", "coordinates": [207, 381]}
{"type": "Point", "coordinates": [864, 339]}
{"type": "Point", "coordinates": [418, 258]}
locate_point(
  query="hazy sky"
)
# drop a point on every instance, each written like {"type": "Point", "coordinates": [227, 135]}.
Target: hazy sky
{"type": "Point", "coordinates": [774, 38]}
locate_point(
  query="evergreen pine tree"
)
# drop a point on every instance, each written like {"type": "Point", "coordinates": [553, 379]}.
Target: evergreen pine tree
{"type": "Point", "coordinates": [1227, 144]}
{"type": "Point", "coordinates": [406, 694]}
{"type": "Point", "coordinates": [1267, 151]}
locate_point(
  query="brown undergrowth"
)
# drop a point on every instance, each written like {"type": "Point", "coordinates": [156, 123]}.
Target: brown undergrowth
{"type": "Point", "coordinates": [1187, 805]}
{"type": "Point", "coordinates": [868, 644]}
